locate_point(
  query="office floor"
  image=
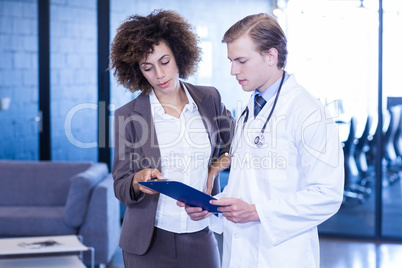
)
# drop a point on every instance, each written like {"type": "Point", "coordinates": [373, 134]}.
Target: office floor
{"type": "Point", "coordinates": [359, 219]}
{"type": "Point", "coordinates": [338, 253]}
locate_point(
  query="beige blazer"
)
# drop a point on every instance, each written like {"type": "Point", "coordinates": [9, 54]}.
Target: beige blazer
{"type": "Point", "coordinates": [136, 148]}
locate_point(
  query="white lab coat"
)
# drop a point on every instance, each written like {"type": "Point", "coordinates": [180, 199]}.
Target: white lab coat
{"type": "Point", "coordinates": [296, 182]}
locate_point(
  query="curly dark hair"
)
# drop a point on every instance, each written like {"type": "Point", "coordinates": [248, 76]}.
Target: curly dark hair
{"type": "Point", "coordinates": [136, 38]}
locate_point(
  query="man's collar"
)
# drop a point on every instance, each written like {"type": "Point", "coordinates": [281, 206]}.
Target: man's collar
{"type": "Point", "coordinates": [272, 89]}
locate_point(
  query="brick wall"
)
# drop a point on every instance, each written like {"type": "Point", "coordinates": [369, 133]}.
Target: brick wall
{"type": "Point", "coordinates": [74, 87]}
{"type": "Point", "coordinates": [73, 77]}
{"type": "Point", "coordinates": [19, 79]}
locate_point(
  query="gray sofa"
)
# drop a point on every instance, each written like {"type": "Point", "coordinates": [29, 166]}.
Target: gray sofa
{"type": "Point", "coordinates": [60, 198]}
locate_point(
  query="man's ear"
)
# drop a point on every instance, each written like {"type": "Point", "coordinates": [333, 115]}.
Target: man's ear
{"type": "Point", "coordinates": [272, 56]}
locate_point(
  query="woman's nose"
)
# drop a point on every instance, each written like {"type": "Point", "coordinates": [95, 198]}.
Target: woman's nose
{"type": "Point", "coordinates": [159, 72]}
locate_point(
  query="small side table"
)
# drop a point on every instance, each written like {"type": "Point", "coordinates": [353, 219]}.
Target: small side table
{"type": "Point", "coordinates": [43, 245]}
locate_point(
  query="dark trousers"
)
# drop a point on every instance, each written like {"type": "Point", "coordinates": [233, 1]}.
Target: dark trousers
{"type": "Point", "coordinates": [167, 249]}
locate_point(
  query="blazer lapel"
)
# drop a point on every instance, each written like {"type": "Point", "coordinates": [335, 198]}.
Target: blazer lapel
{"type": "Point", "coordinates": [205, 107]}
{"type": "Point", "coordinates": [145, 124]}
{"type": "Point", "coordinates": [145, 132]}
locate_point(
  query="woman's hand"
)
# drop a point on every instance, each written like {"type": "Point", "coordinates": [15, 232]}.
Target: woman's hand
{"type": "Point", "coordinates": [195, 213]}
{"type": "Point", "coordinates": [210, 183]}
{"type": "Point", "coordinates": [215, 168]}
{"type": "Point", "coordinates": [145, 175]}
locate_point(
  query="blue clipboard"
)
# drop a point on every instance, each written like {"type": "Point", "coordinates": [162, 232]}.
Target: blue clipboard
{"type": "Point", "coordinates": [183, 193]}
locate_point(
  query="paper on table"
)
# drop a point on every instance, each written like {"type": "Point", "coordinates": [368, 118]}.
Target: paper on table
{"type": "Point", "coordinates": [41, 244]}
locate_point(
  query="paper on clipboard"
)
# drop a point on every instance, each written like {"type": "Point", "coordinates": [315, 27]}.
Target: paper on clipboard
{"type": "Point", "coordinates": [183, 193]}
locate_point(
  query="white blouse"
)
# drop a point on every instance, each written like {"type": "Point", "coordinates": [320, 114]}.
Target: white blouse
{"type": "Point", "coordinates": [185, 152]}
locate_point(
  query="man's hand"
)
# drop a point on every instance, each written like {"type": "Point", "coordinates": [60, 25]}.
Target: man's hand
{"type": "Point", "coordinates": [195, 213]}
{"type": "Point", "coordinates": [236, 210]}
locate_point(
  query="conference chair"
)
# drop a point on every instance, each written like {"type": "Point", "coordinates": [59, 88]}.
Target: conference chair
{"type": "Point", "coordinates": [392, 167]}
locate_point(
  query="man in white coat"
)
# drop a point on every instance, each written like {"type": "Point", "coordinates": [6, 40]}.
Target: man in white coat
{"type": "Point", "coordinates": [286, 172]}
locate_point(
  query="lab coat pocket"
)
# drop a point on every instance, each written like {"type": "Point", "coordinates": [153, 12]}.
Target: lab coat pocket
{"type": "Point", "coordinates": [270, 164]}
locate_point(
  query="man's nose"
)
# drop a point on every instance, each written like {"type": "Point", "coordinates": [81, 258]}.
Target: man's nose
{"type": "Point", "coordinates": [234, 69]}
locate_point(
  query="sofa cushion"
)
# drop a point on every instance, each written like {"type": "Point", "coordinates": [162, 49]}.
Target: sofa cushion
{"type": "Point", "coordinates": [80, 192]}
{"type": "Point", "coordinates": [22, 221]}
{"type": "Point", "coordinates": [30, 183]}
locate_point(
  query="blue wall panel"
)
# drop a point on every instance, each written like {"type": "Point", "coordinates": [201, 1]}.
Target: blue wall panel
{"type": "Point", "coordinates": [19, 79]}
{"type": "Point", "coordinates": [73, 64]}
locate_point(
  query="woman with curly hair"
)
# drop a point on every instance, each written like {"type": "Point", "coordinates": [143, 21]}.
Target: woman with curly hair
{"type": "Point", "coordinates": [173, 130]}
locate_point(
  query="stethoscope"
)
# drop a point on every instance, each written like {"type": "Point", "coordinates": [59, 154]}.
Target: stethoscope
{"type": "Point", "coordinates": [259, 139]}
